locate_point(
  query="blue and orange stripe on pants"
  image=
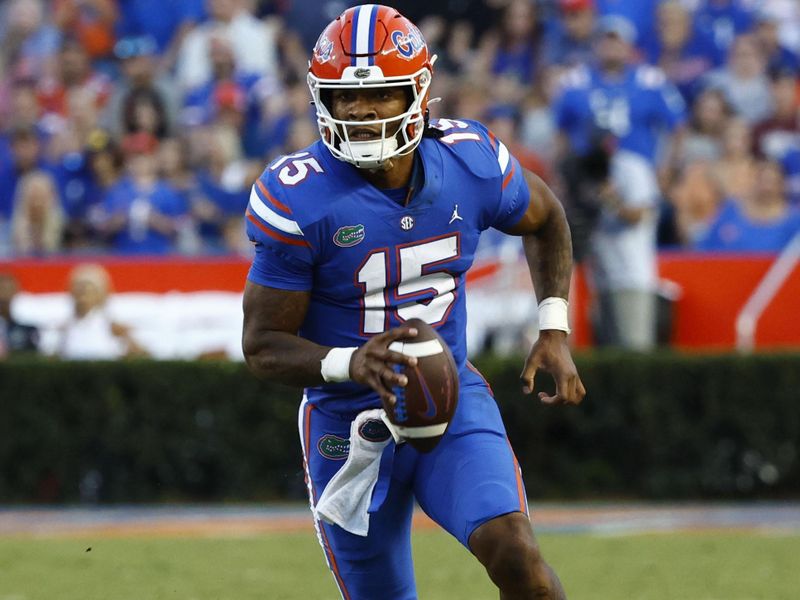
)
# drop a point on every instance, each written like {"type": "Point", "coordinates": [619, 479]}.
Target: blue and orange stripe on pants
{"type": "Point", "coordinates": [326, 547]}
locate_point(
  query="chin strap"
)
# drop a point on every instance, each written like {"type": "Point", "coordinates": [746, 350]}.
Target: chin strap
{"type": "Point", "coordinates": [367, 155]}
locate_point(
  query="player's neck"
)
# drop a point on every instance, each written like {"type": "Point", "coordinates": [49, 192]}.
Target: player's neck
{"type": "Point", "coordinates": [397, 173]}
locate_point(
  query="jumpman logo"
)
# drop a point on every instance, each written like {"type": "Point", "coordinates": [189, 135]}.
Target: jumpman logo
{"type": "Point", "coordinates": [456, 216]}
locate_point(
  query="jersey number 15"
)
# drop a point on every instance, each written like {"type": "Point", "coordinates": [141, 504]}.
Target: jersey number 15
{"type": "Point", "coordinates": [420, 292]}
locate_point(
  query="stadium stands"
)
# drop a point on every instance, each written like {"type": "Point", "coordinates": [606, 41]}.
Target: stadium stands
{"type": "Point", "coordinates": [137, 128]}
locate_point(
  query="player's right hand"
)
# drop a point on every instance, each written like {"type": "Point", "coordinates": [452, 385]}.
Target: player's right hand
{"type": "Point", "coordinates": [373, 363]}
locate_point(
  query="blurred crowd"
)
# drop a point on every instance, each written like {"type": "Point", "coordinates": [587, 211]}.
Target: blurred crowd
{"type": "Point", "coordinates": [137, 127]}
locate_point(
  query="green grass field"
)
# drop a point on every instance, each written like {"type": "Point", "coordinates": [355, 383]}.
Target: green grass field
{"type": "Point", "coordinates": [675, 566]}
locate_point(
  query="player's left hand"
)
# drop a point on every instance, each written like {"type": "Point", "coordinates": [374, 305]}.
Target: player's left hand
{"type": "Point", "coordinates": [551, 353]}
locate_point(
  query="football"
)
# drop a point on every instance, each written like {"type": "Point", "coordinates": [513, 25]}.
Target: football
{"type": "Point", "coordinates": [425, 406]}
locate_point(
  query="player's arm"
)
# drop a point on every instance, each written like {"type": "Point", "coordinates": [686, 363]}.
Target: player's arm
{"type": "Point", "coordinates": [274, 351]}
{"type": "Point", "coordinates": [547, 240]}
{"type": "Point", "coordinates": [548, 249]}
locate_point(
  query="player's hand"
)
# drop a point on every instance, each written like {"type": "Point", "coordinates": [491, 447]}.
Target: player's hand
{"type": "Point", "coordinates": [551, 353]}
{"type": "Point", "coordinates": [372, 364]}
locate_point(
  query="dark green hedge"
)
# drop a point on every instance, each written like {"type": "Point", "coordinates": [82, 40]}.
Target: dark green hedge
{"type": "Point", "coordinates": [662, 426]}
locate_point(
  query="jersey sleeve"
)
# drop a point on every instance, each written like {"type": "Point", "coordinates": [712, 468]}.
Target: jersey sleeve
{"type": "Point", "coordinates": [283, 257]}
{"type": "Point", "coordinates": [514, 193]}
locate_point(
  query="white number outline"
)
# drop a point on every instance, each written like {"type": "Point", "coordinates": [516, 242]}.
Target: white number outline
{"type": "Point", "coordinates": [458, 136]}
{"type": "Point", "coordinates": [301, 163]}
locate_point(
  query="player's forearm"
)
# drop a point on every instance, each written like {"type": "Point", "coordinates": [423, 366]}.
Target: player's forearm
{"type": "Point", "coordinates": [549, 255]}
{"type": "Point", "coordinates": [284, 358]}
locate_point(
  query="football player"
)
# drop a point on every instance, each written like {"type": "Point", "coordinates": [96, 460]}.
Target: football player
{"type": "Point", "coordinates": [375, 224]}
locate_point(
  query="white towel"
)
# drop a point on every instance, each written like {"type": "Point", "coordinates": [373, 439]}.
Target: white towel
{"type": "Point", "coordinates": [346, 499]}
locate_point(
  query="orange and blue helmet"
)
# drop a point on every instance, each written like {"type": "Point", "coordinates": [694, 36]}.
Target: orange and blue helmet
{"type": "Point", "coordinates": [371, 46]}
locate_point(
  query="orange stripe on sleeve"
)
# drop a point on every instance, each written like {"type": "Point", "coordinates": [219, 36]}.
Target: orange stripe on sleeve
{"type": "Point", "coordinates": [272, 199]}
{"type": "Point", "coordinates": [493, 140]}
{"type": "Point", "coordinates": [275, 234]}
{"type": "Point", "coordinates": [507, 180]}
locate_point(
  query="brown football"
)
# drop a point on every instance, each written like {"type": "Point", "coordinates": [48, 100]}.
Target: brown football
{"type": "Point", "coordinates": [425, 406]}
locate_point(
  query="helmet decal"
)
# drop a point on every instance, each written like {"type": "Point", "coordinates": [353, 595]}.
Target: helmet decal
{"type": "Point", "coordinates": [408, 44]}
{"type": "Point", "coordinates": [323, 50]}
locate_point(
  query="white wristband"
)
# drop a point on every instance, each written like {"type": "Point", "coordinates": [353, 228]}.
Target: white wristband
{"type": "Point", "coordinates": [553, 314]}
{"type": "Point", "coordinates": [335, 367]}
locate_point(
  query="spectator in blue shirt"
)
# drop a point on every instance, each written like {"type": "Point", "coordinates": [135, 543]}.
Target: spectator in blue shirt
{"type": "Point", "coordinates": [224, 182]}
{"type": "Point", "coordinates": [142, 214]}
{"type": "Point", "coordinates": [569, 41]}
{"type": "Point", "coordinates": [677, 50]}
{"type": "Point", "coordinates": [641, 13]}
{"type": "Point", "coordinates": [719, 22]}
{"type": "Point", "coordinates": [512, 51]}
{"type": "Point", "coordinates": [633, 103]}
{"type": "Point", "coordinates": [25, 157]}
{"type": "Point", "coordinates": [165, 21]}
{"type": "Point", "coordinates": [229, 89]}
{"type": "Point", "coordinates": [765, 223]}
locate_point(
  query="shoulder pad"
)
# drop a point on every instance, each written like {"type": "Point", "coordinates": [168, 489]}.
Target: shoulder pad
{"type": "Point", "coordinates": [287, 194]}
{"type": "Point", "coordinates": [474, 146]}
{"type": "Point", "coordinates": [291, 183]}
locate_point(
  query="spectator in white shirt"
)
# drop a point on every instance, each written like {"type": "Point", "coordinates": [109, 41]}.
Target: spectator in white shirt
{"type": "Point", "coordinates": [91, 333]}
{"type": "Point", "coordinates": [623, 258]}
{"type": "Point", "coordinates": [254, 44]}
{"type": "Point", "coordinates": [744, 80]}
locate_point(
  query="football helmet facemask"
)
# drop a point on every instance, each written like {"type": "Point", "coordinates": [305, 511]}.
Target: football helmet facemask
{"type": "Point", "coordinates": [371, 46]}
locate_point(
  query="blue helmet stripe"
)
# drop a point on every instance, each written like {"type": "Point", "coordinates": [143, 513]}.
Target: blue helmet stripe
{"type": "Point", "coordinates": [372, 49]}
{"type": "Point", "coordinates": [353, 36]}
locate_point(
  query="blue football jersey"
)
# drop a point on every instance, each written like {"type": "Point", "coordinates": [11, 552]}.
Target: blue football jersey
{"type": "Point", "coordinates": [371, 263]}
{"type": "Point", "coordinates": [635, 107]}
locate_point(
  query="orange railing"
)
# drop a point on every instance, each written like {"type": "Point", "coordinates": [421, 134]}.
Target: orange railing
{"type": "Point", "coordinates": [716, 288]}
